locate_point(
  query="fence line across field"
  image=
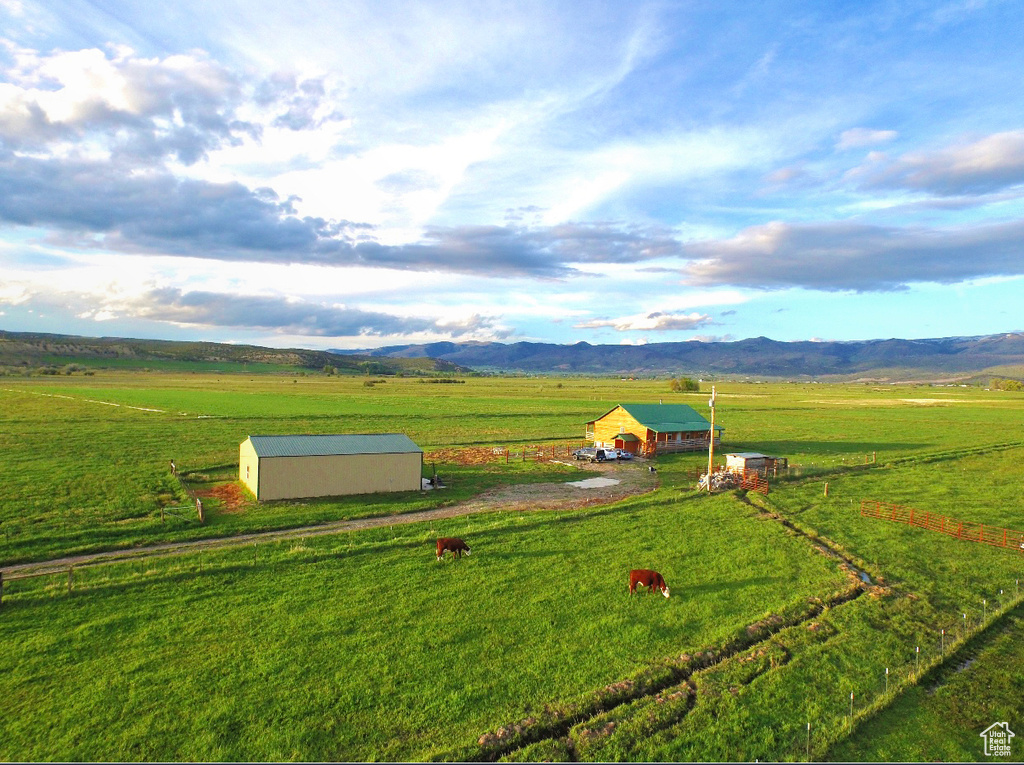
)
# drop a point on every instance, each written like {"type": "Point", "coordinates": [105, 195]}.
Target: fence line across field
{"type": "Point", "coordinates": [971, 531]}
{"type": "Point", "coordinates": [188, 490]}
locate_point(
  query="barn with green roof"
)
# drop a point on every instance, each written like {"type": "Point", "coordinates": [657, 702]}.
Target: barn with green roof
{"type": "Point", "coordinates": [294, 467]}
{"type": "Point", "coordinates": [650, 429]}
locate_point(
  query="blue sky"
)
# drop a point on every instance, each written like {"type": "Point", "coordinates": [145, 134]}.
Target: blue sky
{"type": "Point", "coordinates": [351, 175]}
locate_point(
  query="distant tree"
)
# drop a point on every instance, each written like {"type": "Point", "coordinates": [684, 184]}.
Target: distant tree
{"type": "Point", "coordinates": [374, 368]}
{"type": "Point", "coordinates": [684, 385]}
{"type": "Point", "coordinates": [999, 383]}
{"type": "Point", "coordinates": [329, 370]}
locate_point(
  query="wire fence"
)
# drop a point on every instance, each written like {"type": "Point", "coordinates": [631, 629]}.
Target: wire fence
{"type": "Point", "coordinates": [196, 500]}
{"type": "Point", "coordinates": [924, 661]}
{"type": "Point", "coordinates": [479, 455]}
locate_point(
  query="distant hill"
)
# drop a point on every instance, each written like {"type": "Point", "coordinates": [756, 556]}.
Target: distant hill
{"type": "Point", "coordinates": [34, 349]}
{"type": "Point", "coordinates": [942, 358]}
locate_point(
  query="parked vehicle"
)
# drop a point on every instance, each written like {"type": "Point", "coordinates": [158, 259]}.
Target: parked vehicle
{"type": "Point", "coordinates": [591, 454]}
{"type": "Point", "coordinates": [622, 454]}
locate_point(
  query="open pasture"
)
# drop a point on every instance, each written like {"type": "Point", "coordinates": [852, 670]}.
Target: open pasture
{"type": "Point", "coordinates": [365, 647]}
{"type": "Point", "coordinates": [361, 646]}
{"type": "Point", "coordinates": [85, 460]}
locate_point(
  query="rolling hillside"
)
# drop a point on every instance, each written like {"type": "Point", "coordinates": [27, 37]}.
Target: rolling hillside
{"type": "Point", "coordinates": [33, 350]}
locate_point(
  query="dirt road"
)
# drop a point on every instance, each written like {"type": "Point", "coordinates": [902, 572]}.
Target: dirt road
{"type": "Point", "coordinates": [633, 479]}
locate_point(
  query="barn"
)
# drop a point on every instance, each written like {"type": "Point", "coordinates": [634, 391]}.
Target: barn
{"type": "Point", "coordinates": [292, 467]}
{"type": "Point", "coordinates": [650, 429]}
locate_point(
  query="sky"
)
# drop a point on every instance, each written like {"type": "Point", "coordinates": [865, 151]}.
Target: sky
{"type": "Point", "coordinates": [355, 174]}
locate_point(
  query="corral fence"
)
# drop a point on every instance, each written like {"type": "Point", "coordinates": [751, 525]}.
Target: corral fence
{"type": "Point", "coordinates": [190, 492]}
{"type": "Point", "coordinates": [996, 536]}
{"type": "Point", "coordinates": [478, 455]}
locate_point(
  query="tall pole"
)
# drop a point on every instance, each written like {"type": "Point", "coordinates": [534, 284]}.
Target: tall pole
{"type": "Point", "coordinates": [711, 438]}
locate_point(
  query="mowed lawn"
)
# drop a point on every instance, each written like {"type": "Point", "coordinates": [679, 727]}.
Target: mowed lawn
{"type": "Point", "coordinates": [364, 647]}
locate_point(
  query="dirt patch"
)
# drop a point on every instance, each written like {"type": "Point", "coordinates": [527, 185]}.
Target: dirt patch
{"type": "Point", "coordinates": [632, 479]}
{"type": "Point", "coordinates": [231, 496]}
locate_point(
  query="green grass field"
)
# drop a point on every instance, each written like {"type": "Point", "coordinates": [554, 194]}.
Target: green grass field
{"type": "Point", "coordinates": [361, 646]}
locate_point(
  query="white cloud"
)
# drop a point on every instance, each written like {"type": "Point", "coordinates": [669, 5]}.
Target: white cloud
{"type": "Point", "coordinates": [857, 138]}
{"type": "Point", "coordinates": [656, 321]}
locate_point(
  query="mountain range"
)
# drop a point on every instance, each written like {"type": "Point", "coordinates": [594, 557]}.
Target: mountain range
{"type": "Point", "coordinates": [949, 358]}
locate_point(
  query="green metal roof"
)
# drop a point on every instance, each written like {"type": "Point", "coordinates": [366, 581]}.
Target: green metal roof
{"type": "Point", "coordinates": [666, 418]}
{"type": "Point", "coordinates": [323, 446]}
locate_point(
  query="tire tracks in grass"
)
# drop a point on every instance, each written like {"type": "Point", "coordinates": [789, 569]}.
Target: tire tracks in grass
{"type": "Point", "coordinates": [520, 498]}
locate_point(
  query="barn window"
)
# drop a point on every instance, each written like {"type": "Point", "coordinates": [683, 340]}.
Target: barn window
{"type": "Point", "coordinates": [246, 472]}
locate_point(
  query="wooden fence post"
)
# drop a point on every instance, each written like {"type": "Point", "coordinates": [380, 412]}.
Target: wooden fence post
{"type": "Point", "coordinates": [199, 509]}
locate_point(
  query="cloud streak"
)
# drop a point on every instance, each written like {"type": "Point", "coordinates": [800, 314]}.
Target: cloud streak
{"type": "Point", "coordinates": [98, 205]}
{"type": "Point", "coordinates": [280, 315]}
{"type": "Point", "coordinates": [986, 165]}
{"type": "Point", "coordinates": [853, 256]}
{"type": "Point", "coordinates": [656, 321]}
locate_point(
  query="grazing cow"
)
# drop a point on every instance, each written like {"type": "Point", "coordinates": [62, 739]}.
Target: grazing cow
{"type": "Point", "coordinates": [643, 577]}
{"type": "Point", "coordinates": [452, 544]}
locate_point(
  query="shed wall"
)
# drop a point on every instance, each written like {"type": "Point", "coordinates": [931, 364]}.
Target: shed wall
{"type": "Point", "coordinates": [249, 467]}
{"type": "Point", "coordinates": [336, 475]}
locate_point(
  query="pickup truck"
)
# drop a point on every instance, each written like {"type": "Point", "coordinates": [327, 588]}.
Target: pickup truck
{"type": "Point", "coordinates": [592, 454]}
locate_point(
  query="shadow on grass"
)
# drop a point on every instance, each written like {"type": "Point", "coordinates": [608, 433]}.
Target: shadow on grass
{"type": "Point", "coordinates": [756, 581]}
{"type": "Point", "coordinates": [528, 554]}
{"type": "Point", "coordinates": [782, 448]}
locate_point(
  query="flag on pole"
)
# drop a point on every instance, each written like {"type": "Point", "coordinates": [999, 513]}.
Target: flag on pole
{"type": "Point", "coordinates": [711, 401]}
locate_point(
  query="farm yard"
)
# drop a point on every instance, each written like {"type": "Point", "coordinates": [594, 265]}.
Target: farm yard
{"type": "Point", "coordinates": [361, 646]}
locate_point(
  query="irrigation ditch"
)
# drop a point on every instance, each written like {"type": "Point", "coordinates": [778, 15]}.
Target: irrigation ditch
{"type": "Point", "coordinates": [601, 725]}
{"type": "Point", "coordinates": [662, 694]}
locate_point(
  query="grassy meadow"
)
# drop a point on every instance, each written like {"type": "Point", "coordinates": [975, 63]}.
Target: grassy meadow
{"type": "Point", "coordinates": [360, 646]}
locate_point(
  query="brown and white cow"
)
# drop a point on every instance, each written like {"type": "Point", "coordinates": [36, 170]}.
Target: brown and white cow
{"type": "Point", "coordinates": [451, 544]}
{"type": "Point", "coordinates": [644, 577]}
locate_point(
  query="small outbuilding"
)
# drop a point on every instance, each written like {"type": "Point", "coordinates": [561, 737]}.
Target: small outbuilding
{"type": "Point", "coordinates": [743, 461]}
{"type": "Point", "coordinates": [650, 429]}
{"type": "Point", "coordinates": [294, 467]}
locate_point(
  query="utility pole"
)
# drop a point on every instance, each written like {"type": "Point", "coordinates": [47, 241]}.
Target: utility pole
{"type": "Point", "coordinates": [711, 439]}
